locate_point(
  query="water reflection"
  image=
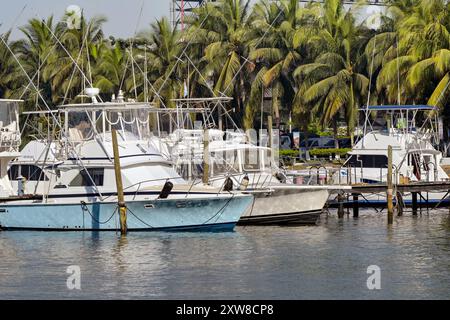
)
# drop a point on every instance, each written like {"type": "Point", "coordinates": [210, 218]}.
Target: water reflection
{"type": "Point", "coordinates": [328, 261]}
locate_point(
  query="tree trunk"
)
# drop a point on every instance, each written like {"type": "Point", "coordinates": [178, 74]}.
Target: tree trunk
{"type": "Point", "coordinates": [351, 134]}
{"type": "Point", "coordinates": [335, 133]}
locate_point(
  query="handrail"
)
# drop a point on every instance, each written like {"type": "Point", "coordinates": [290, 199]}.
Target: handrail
{"type": "Point", "coordinates": [142, 182]}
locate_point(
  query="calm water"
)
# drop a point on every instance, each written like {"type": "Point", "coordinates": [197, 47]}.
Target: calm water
{"type": "Point", "coordinates": [325, 262]}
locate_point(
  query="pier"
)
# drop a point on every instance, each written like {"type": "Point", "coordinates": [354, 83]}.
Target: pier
{"type": "Point", "coordinates": [355, 198]}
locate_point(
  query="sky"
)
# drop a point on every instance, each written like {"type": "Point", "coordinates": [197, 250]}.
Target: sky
{"type": "Point", "coordinates": [122, 15]}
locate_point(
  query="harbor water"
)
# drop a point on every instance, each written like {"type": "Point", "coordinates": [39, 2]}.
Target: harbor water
{"type": "Point", "coordinates": [329, 261]}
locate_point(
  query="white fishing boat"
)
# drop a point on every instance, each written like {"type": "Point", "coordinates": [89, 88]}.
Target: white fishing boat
{"type": "Point", "coordinates": [68, 183]}
{"type": "Point", "coordinates": [9, 142]}
{"type": "Point", "coordinates": [413, 134]}
{"type": "Point", "coordinates": [250, 169]}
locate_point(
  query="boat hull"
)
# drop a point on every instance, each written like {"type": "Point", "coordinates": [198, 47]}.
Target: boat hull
{"type": "Point", "coordinates": [286, 205]}
{"type": "Point", "coordinates": [207, 214]}
{"type": "Point", "coordinates": [297, 218]}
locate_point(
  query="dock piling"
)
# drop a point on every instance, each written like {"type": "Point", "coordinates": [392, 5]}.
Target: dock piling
{"type": "Point", "coordinates": [341, 198]}
{"type": "Point", "coordinates": [400, 204]}
{"type": "Point", "coordinates": [355, 205]}
{"type": "Point", "coordinates": [390, 203]}
{"type": "Point", "coordinates": [119, 184]}
{"type": "Point", "coordinates": [414, 203]}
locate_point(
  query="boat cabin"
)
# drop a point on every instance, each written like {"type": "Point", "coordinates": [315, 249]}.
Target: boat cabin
{"type": "Point", "coordinates": [411, 130]}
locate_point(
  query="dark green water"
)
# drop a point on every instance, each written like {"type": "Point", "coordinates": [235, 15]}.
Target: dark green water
{"type": "Point", "coordinates": [325, 262]}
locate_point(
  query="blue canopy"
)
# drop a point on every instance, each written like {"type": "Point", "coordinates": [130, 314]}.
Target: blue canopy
{"type": "Point", "coordinates": [398, 108]}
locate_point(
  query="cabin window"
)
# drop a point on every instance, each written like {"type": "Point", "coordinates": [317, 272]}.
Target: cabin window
{"type": "Point", "coordinates": [224, 162]}
{"type": "Point", "coordinates": [29, 172]}
{"type": "Point", "coordinates": [267, 159]}
{"type": "Point", "coordinates": [183, 170]}
{"type": "Point", "coordinates": [13, 172]}
{"type": "Point", "coordinates": [368, 161]}
{"type": "Point", "coordinates": [251, 159]}
{"type": "Point", "coordinates": [83, 180]}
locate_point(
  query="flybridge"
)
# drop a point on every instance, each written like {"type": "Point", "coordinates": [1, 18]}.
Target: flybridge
{"type": "Point", "coordinates": [125, 106]}
{"type": "Point", "coordinates": [398, 108]}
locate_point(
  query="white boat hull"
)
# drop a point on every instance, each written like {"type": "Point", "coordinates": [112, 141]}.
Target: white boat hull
{"type": "Point", "coordinates": [286, 205]}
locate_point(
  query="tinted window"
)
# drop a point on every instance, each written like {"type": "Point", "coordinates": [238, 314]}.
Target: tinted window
{"type": "Point", "coordinates": [83, 180]}
{"type": "Point", "coordinates": [13, 172]}
{"type": "Point", "coordinates": [29, 172]}
{"type": "Point", "coordinates": [368, 161]}
{"type": "Point", "coordinates": [329, 144]}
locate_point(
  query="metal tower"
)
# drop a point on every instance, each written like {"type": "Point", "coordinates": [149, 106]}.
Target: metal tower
{"type": "Point", "coordinates": [369, 2]}
{"type": "Point", "coordinates": [180, 8]}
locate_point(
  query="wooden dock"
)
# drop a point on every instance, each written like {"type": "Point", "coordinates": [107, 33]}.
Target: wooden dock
{"type": "Point", "coordinates": [410, 187]}
{"type": "Point", "coordinates": [351, 198]}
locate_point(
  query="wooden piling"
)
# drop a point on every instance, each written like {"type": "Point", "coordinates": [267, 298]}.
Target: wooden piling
{"type": "Point", "coordinates": [206, 156]}
{"type": "Point", "coordinates": [390, 188]}
{"type": "Point", "coordinates": [400, 204]}
{"type": "Point", "coordinates": [355, 205]}
{"type": "Point", "coordinates": [414, 203]}
{"type": "Point", "coordinates": [119, 184]}
{"type": "Point", "coordinates": [341, 205]}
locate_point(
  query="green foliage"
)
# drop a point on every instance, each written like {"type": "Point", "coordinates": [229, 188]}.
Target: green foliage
{"type": "Point", "coordinates": [315, 61]}
{"type": "Point", "coordinates": [319, 153]}
{"type": "Point", "coordinates": [326, 153]}
{"type": "Point", "coordinates": [289, 153]}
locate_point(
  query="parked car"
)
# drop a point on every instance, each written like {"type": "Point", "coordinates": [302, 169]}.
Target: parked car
{"type": "Point", "coordinates": [344, 143]}
{"type": "Point", "coordinates": [316, 143]}
{"type": "Point", "coordinates": [288, 140]}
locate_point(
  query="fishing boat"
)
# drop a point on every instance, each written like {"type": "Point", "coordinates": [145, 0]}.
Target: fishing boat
{"type": "Point", "coordinates": [412, 131]}
{"type": "Point", "coordinates": [65, 180]}
{"type": "Point", "coordinates": [10, 141]}
{"type": "Point", "coordinates": [237, 165]}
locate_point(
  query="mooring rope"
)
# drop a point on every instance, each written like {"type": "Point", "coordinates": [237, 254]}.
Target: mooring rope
{"type": "Point", "coordinates": [148, 225]}
{"type": "Point", "coordinates": [85, 208]}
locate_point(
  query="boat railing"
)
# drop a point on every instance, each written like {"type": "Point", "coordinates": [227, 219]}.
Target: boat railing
{"type": "Point", "coordinates": [319, 176]}
{"type": "Point", "coordinates": [9, 139]}
{"type": "Point", "coordinates": [435, 172]}
{"type": "Point", "coordinates": [352, 177]}
{"type": "Point", "coordinates": [139, 185]}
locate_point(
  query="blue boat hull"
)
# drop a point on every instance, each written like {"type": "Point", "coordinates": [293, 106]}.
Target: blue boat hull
{"type": "Point", "coordinates": [208, 214]}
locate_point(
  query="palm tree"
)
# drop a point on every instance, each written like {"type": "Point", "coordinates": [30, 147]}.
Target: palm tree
{"type": "Point", "coordinates": [67, 79]}
{"type": "Point", "coordinates": [222, 28]}
{"type": "Point", "coordinates": [163, 68]}
{"type": "Point", "coordinates": [276, 55]}
{"type": "Point", "coordinates": [422, 55]}
{"type": "Point", "coordinates": [10, 76]}
{"type": "Point", "coordinates": [110, 66]}
{"type": "Point", "coordinates": [334, 83]}
{"type": "Point", "coordinates": [36, 52]}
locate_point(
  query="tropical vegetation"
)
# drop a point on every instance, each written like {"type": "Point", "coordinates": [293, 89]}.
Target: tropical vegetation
{"type": "Point", "coordinates": [311, 65]}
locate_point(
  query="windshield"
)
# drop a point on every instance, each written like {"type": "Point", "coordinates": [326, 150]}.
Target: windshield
{"type": "Point", "coordinates": [257, 159]}
{"type": "Point", "coordinates": [132, 124]}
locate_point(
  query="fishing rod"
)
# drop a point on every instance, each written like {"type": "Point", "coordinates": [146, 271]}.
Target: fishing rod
{"type": "Point", "coordinates": [71, 58]}
{"type": "Point", "coordinates": [51, 113]}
